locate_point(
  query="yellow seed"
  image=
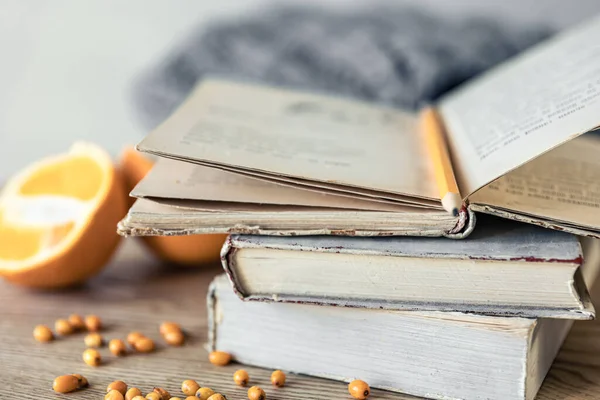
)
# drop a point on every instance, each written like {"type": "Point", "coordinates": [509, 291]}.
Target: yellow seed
{"type": "Point", "coordinates": [117, 347]}
{"type": "Point", "coordinates": [65, 384]}
{"type": "Point", "coordinates": [93, 323]}
{"type": "Point", "coordinates": [204, 393]}
{"type": "Point", "coordinates": [169, 327]}
{"type": "Point", "coordinates": [93, 340]}
{"type": "Point", "coordinates": [189, 387]}
{"type": "Point", "coordinates": [144, 345]}
{"type": "Point", "coordinates": [133, 337]}
{"type": "Point", "coordinates": [278, 378]}
{"type": "Point", "coordinates": [176, 398]}
{"type": "Point", "coordinates": [164, 395]}
{"type": "Point", "coordinates": [42, 333]}
{"type": "Point", "coordinates": [132, 393]}
{"type": "Point", "coordinates": [113, 395]}
{"type": "Point", "coordinates": [138, 398]}
{"type": "Point", "coordinates": [92, 357]}
{"type": "Point", "coordinates": [174, 338]}
{"type": "Point", "coordinates": [220, 358]}
{"type": "Point", "coordinates": [83, 382]}
{"type": "Point", "coordinates": [217, 396]}
{"type": "Point", "coordinates": [256, 393]}
{"type": "Point", "coordinates": [119, 386]}
{"type": "Point", "coordinates": [241, 377]}
{"type": "Point", "coordinates": [153, 396]}
{"type": "Point", "coordinates": [191, 398]}
{"type": "Point", "coordinates": [359, 389]}
{"type": "Point", "coordinates": [76, 322]}
{"type": "Point", "coordinates": [63, 327]}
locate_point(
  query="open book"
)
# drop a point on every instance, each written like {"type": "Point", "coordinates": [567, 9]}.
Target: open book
{"type": "Point", "coordinates": [246, 158]}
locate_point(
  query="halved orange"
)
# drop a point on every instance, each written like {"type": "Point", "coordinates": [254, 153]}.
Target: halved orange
{"type": "Point", "coordinates": [192, 250]}
{"type": "Point", "coordinates": [58, 218]}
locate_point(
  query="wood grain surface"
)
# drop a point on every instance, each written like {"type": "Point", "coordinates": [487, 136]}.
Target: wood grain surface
{"type": "Point", "coordinates": [137, 293]}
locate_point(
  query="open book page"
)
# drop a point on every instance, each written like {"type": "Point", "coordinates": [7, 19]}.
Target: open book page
{"type": "Point", "coordinates": [524, 107]}
{"type": "Point", "coordinates": [308, 136]}
{"type": "Point", "coordinates": [561, 185]}
{"type": "Point", "coordinates": [171, 179]}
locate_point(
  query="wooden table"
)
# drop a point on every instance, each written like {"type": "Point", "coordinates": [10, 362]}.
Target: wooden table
{"type": "Point", "coordinates": [137, 293]}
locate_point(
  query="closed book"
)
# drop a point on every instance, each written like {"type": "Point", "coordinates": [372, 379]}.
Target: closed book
{"type": "Point", "coordinates": [429, 354]}
{"type": "Point", "coordinates": [504, 268]}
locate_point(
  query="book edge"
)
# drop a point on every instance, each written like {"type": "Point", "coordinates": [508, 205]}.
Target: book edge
{"type": "Point", "coordinates": [548, 224]}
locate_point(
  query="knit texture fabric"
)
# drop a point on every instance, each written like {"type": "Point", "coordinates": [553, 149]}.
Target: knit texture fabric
{"type": "Point", "coordinates": [396, 56]}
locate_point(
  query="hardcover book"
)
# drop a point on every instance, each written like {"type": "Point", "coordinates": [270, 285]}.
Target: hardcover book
{"type": "Point", "coordinates": [504, 268]}
{"type": "Point", "coordinates": [515, 142]}
{"type": "Point", "coordinates": [427, 354]}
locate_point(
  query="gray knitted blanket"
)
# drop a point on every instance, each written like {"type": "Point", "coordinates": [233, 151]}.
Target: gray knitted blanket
{"type": "Point", "coordinates": [395, 56]}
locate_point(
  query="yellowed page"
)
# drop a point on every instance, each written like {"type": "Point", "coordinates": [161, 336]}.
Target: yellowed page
{"type": "Point", "coordinates": [562, 185]}
{"type": "Point", "coordinates": [287, 133]}
{"type": "Point", "coordinates": [524, 107]}
{"type": "Point", "coordinates": [171, 179]}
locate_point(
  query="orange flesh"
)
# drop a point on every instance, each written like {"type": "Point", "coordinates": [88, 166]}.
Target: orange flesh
{"type": "Point", "coordinates": [77, 177]}
{"type": "Point", "coordinates": [20, 243]}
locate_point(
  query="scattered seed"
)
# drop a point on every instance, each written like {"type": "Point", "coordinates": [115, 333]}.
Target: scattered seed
{"type": "Point", "coordinates": [42, 333]}
{"type": "Point", "coordinates": [76, 322]}
{"type": "Point", "coordinates": [117, 347]}
{"type": "Point", "coordinates": [133, 337]}
{"type": "Point", "coordinates": [92, 357]}
{"type": "Point", "coordinates": [63, 327]}
{"type": "Point", "coordinates": [153, 396]}
{"type": "Point", "coordinates": [278, 378]}
{"type": "Point", "coordinates": [83, 382]}
{"type": "Point", "coordinates": [174, 338]}
{"type": "Point", "coordinates": [132, 393]}
{"type": "Point", "coordinates": [204, 393]}
{"type": "Point", "coordinates": [176, 398]}
{"type": "Point", "coordinates": [93, 340]}
{"type": "Point", "coordinates": [169, 327]}
{"type": "Point", "coordinates": [191, 398]}
{"type": "Point", "coordinates": [189, 387]}
{"type": "Point", "coordinates": [256, 393]}
{"type": "Point", "coordinates": [144, 345]}
{"type": "Point", "coordinates": [164, 395]}
{"type": "Point", "coordinates": [65, 384]}
{"type": "Point", "coordinates": [93, 323]}
{"type": "Point", "coordinates": [119, 386]}
{"type": "Point", "coordinates": [114, 395]}
{"type": "Point", "coordinates": [220, 358]}
{"type": "Point", "coordinates": [241, 377]}
{"type": "Point", "coordinates": [359, 389]}
{"type": "Point", "coordinates": [140, 397]}
{"type": "Point", "coordinates": [217, 396]}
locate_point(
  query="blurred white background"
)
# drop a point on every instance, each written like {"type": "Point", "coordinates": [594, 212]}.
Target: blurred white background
{"type": "Point", "coordinates": [66, 65]}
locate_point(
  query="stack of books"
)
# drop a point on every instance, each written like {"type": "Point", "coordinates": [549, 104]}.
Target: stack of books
{"type": "Point", "coordinates": [443, 254]}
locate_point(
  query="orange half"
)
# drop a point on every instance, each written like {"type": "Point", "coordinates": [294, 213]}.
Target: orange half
{"type": "Point", "coordinates": [58, 218]}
